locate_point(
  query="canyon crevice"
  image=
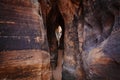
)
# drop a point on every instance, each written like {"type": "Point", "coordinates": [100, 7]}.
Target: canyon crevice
{"type": "Point", "coordinates": [89, 46]}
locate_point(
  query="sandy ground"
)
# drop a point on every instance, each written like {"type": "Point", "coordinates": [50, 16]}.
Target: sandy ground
{"type": "Point", "coordinates": [57, 73]}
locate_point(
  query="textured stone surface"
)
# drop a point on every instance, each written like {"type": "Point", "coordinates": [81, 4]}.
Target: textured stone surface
{"type": "Point", "coordinates": [90, 27]}
{"type": "Point", "coordinates": [23, 46]}
{"type": "Point", "coordinates": [90, 40]}
{"type": "Point", "coordinates": [72, 68]}
{"type": "Point", "coordinates": [24, 64]}
{"type": "Point", "coordinates": [101, 40]}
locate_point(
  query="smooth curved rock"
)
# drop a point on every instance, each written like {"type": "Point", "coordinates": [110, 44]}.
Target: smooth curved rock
{"type": "Point", "coordinates": [23, 46]}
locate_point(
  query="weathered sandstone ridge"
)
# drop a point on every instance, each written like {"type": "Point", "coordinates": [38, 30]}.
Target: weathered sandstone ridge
{"type": "Point", "coordinates": [23, 47]}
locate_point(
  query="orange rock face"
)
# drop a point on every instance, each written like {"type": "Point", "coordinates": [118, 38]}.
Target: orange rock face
{"type": "Point", "coordinates": [90, 40]}
{"type": "Point", "coordinates": [88, 27]}
{"type": "Point", "coordinates": [23, 49]}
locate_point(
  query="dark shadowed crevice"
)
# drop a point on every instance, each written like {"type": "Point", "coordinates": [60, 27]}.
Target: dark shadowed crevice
{"type": "Point", "coordinates": [54, 19]}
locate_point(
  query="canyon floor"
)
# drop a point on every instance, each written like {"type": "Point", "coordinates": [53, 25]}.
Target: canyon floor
{"type": "Point", "coordinates": [57, 72]}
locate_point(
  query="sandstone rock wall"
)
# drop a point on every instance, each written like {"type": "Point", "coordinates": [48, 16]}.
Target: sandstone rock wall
{"type": "Point", "coordinates": [23, 43]}
{"type": "Point", "coordinates": [90, 39]}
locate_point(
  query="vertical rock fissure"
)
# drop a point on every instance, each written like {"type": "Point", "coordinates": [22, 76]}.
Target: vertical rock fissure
{"type": "Point", "coordinates": [53, 20]}
{"type": "Point", "coordinates": [80, 31]}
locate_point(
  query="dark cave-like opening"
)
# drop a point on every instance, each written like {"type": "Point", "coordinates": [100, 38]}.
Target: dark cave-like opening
{"type": "Point", "coordinates": [54, 19]}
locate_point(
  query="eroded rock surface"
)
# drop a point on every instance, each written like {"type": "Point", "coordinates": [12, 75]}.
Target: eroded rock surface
{"type": "Point", "coordinates": [101, 32]}
{"type": "Point", "coordinates": [90, 40]}
{"type": "Point", "coordinates": [91, 47]}
{"type": "Point", "coordinates": [23, 46]}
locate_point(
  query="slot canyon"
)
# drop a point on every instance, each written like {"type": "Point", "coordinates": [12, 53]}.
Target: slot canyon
{"type": "Point", "coordinates": [88, 47]}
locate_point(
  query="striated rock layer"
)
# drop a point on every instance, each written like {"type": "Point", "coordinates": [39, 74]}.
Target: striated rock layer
{"type": "Point", "coordinates": [23, 45]}
{"type": "Point", "coordinates": [101, 47]}
{"type": "Point", "coordinates": [91, 38]}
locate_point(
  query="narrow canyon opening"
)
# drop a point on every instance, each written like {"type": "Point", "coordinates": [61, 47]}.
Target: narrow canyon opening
{"type": "Point", "coordinates": [53, 20]}
{"type": "Point", "coordinates": [89, 48]}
